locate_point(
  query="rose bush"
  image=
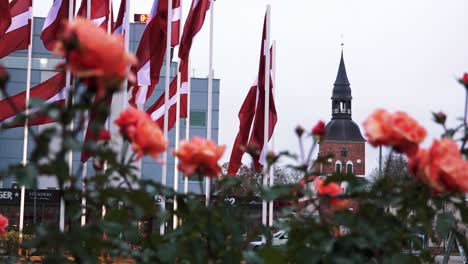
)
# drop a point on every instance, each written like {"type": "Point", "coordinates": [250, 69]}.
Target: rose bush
{"type": "Point", "coordinates": [131, 211]}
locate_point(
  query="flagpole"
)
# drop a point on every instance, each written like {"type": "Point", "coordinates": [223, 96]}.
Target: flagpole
{"type": "Point", "coordinates": [177, 131]}
{"type": "Point", "coordinates": [127, 44]}
{"type": "Point", "coordinates": [266, 110]}
{"type": "Point", "coordinates": [26, 131]}
{"type": "Point", "coordinates": [70, 153]}
{"type": "Point", "coordinates": [176, 161]}
{"type": "Point", "coordinates": [166, 101]}
{"type": "Point", "coordinates": [187, 121]}
{"type": "Point", "coordinates": [210, 97]}
{"type": "Point", "coordinates": [272, 169]}
{"type": "Point", "coordinates": [85, 164]}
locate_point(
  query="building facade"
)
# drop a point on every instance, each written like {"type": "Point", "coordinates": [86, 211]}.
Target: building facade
{"type": "Point", "coordinates": [43, 67]}
{"type": "Point", "coordinates": [343, 143]}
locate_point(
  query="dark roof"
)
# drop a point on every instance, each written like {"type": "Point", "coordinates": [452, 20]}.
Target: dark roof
{"type": "Point", "coordinates": [341, 89]}
{"type": "Point", "coordinates": [343, 130]}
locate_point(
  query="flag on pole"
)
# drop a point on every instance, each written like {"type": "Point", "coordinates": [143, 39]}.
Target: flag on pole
{"type": "Point", "coordinates": [119, 28]}
{"type": "Point", "coordinates": [193, 24]}
{"type": "Point", "coordinates": [17, 36]}
{"type": "Point", "coordinates": [156, 111]}
{"type": "Point", "coordinates": [5, 17]}
{"type": "Point", "coordinates": [53, 24]}
{"type": "Point", "coordinates": [99, 11]}
{"type": "Point", "coordinates": [52, 91]}
{"type": "Point", "coordinates": [175, 27]}
{"type": "Point", "coordinates": [150, 53]}
{"type": "Point", "coordinates": [251, 117]}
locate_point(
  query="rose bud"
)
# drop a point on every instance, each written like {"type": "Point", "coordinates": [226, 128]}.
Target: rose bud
{"type": "Point", "coordinates": [464, 80]}
{"type": "Point", "coordinates": [319, 129]}
{"type": "Point", "coordinates": [439, 117]}
{"type": "Point", "coordinates": [299, 131]}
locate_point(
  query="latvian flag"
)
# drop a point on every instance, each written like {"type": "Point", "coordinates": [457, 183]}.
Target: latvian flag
{"type": "Point", "coordinates": [252, 117]}
{"type": "Point", "coordinates": [156, 111]}
{"type": "Point", "coordinates": [99, 11]}
{"type": "Point", "coordinates": [54, 23]}
{"type": "Point", "coordinates": [18, 34]}
{"type": "Point", "coordinates": [119, 28]}
{"type": "Point", "coordinates": [151, 52]}
{"type": "Point", "coordinates": [53, 91]}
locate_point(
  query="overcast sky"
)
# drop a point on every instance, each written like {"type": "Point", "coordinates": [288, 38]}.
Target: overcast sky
{"type": "Point", "coordinates": [399, 54]}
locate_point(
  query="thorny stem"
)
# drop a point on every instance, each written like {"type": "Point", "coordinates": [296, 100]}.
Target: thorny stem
{"type": "Point", "coordinates": [301, 148]}
{"type": "Point", "coordinates": [309, 156]}
{"type": "Point", "coordinates": [462, 148]}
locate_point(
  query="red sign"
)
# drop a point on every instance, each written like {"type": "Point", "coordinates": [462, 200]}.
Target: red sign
{"type": "Point", "coordinates": [141, 18]}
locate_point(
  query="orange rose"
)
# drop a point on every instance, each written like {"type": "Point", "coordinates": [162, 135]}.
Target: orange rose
{"type": "Point", "coordinates": [3, 225]}
{"type": "Point", "coordinates": [332, 190]}
{"type": "Point", "coordinates": [199, 156]}
{"type": "Point", "coordinates": [128, 120]}
{"type": "Point", "coordinates": [442, 166]}
{"type": "Point", "coordinates": [144, 134]}
{"type": "Point", "coordinates": [397, 130]}
{"type": "Point", "coordinates": [90, 51]}
{"type": "Point", "coordinates": [149, 140]}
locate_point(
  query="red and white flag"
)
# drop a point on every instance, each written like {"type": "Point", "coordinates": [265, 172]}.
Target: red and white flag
{"type": "Point", "coordinates": [156, 111]}
{"type": "Point", "coordinates": [252, 117]}
{"type": "Point", "coordinates": [193, 24]}
{"type": "Point", "coordinates": [175, 27]}
{"type": "Point", "coordinates": [18, 34]}
{"type": "Point", "coordinates": [52, 91]}
{"type": "Point", "coordinates": [151, 53]}
{"type": "Point", "coordinates": [53, 24]}
{"type": "Point", "coordinates": [99, 11]}
{"type": "Point", "coordinates": [119, 27]}
{"type": "Point", "coordinates": [5, 17]}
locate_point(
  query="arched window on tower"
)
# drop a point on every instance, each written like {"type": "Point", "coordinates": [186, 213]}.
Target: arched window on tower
{"type": "Point", "coordinates": [338, 166]}
{"type": "Point", "coordinates": [349, 167]}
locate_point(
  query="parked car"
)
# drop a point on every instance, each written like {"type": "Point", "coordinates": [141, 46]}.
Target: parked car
{"type": "Point", "coordinates": [279, 238]}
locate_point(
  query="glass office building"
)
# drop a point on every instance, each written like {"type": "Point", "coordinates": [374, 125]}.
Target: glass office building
{"type": "Point", "coordinates": [43, 67]}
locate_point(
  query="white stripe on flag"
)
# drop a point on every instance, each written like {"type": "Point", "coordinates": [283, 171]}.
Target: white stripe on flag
{"type": "Point", "coordinates": [154, 9]}
{"type": "Point", "coordinates": [141, 95]}
{"type": "Point", "coordinates": [99, 21]}
{"type": "Point", "coordinates": [143, 75]}
{"type": "Point", "coordinates": [176, 14]}
{"type": "Point", "coordinates": [118, 31]}
{"type": "Point", "coordinates": [52, 16]}
{"type": "Point", "coordinates": [61, 95]}
{"type": "Point", "coordinates": [19, 21]}
{"type": "Point", "coordinates": [158, 113]}
{"type": "Point", "coordinates": [195, 3]}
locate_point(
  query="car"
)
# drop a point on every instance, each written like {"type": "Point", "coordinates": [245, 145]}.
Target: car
{"type": "Point", "coordinates": [279, 238]}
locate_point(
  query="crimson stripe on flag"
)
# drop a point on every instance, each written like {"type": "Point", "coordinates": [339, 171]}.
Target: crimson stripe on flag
{"type": "Point", "coordinates": [18, 33]}
{"type": "Point", "coordinates": [150, 54]}
{"type": "Point", "coordinates": [5, 17]}
{"type": "Point", "coordinates": [54, 22]}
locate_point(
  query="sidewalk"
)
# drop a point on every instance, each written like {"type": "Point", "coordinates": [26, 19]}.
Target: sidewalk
{"type": "Point", "coordinates": [452, 259]}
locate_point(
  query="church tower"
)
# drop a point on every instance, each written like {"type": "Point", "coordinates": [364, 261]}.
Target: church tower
{"type": "Point", "coordinates": [343, 139]}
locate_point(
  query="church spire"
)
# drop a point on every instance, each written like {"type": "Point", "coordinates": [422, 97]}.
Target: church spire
{"type": "Point", "coordinates": [341, 96]}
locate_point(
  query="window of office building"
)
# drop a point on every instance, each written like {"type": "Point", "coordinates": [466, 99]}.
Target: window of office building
{"type": "Point", "coordinates": [197, 118]}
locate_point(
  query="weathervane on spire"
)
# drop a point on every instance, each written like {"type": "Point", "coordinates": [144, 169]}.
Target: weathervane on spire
{"type": "Point", "coordinates": [342, 40]}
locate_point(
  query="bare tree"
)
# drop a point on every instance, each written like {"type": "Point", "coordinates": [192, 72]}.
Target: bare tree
{"type": "Point", "coordinates": [395, 166]}
{"type": "Point", "coordinates": [252, 182]}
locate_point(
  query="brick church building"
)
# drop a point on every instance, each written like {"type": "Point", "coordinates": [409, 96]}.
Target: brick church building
{"type": "Point", "coordinates": [343, 139]}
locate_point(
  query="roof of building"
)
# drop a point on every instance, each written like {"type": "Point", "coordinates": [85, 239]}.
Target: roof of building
{"type": "Point", "coordinates": [343, 130]}
{"type": "Point", "coordinates": [341, 89]}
